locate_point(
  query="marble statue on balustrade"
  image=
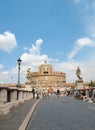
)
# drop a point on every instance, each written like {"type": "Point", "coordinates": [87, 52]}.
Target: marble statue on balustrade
{"type": "Point", "coordinates": [28, 82]}
{"type": "Point", "coordinates": [28, 76]}
{"type": "Point", "coordinates": [78, 73]}
{"type": "Point", "coordinates": [79, 82]}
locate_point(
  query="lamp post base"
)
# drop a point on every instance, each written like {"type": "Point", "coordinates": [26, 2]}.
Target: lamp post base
{"type": "Point", "coordinates": [18, 85]}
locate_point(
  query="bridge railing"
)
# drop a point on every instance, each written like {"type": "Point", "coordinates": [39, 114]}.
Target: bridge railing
{"type": "Point", "coordinates": [89, 92]}
{"type": "Point", "coordinates": [11, 97]}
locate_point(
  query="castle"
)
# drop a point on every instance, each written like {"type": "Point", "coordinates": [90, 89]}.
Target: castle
{"type": "Point", "coordinates": [46, 77]}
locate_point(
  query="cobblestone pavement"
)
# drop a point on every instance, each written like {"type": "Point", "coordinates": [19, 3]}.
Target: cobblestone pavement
{"type": "Point", "coordinates": [63, 113]}
{"type": "Point", "coordinates": [13, 120]}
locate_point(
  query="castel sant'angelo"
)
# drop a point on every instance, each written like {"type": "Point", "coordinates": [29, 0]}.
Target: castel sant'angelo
{"type": "Point", "coordinates": [45, 77]}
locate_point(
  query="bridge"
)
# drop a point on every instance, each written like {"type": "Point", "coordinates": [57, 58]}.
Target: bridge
{"type": "Point", "coordinates": [19, 111]}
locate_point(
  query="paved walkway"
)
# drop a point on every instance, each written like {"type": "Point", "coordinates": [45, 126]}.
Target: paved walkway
{"type": "Point", "coordinates": [14, 119]}
{"type": "Point", "coordinates": [64, 113]}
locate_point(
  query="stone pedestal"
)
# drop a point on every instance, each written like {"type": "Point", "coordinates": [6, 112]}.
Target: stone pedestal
{"type": "Point", "coordinates": [20, 94]}
{"type": "Point", "coordinates": [3, 94]}
{"type": "Point", "coordinates": [13, 94]}
{"type": "Point", "coordinates": [28, 86]}
{"type": "Point", "coordinates": [79, 84]}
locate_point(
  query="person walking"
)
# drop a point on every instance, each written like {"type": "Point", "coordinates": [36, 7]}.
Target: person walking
{"type": "Point", "coordinates": [58, 93]}
{"type": "Point", "coordinates": [49, 92]}
{"type": "Point", "coordinates": [33, 92]}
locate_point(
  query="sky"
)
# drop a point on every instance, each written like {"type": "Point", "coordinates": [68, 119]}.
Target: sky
{"type": "Point", "coordinates": [61, 32]}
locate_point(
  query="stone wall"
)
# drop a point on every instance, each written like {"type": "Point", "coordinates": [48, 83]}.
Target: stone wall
{"type": "Point", "coordinates": [10, 97]}
{"type": "Point", "coordinates": [45, 77]}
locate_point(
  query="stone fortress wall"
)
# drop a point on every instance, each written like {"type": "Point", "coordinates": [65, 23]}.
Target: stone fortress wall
{"type": "Point", "coordinates": [46, 77]}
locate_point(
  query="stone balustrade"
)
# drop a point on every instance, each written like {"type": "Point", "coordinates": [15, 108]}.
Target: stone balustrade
{"type": "Point", "coordinates": [11, 96]}
{"type": "Point", "coordinates": [87, 92]}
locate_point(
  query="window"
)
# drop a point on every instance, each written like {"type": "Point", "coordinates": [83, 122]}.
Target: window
{"type": "Point", "coordinates": [45, 72]}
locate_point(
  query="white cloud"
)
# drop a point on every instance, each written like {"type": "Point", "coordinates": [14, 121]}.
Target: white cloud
{"type": "Point", "coordinates": [33, 60]}
{"type": "Point", "coordinates": [85, 42]}
{"type": "Point", "coordinates": [69, 67]}
{"type": "Point", "coordinates": [80, 43]}
{"type": "Point", "coordinates": [9, 76]}
{"type": "Point", "coordinates": [7, 41]}
{"type": "Point", "coordinates": [36, 48]}
{"type": "Point", "coordinates": [1, 66]}
{"type": "Point", "coordinates": [33, 57]}
{"type": "Point", "coordinates": [87, 8]}
{"type": "Point", "coordinates": [3, 76]}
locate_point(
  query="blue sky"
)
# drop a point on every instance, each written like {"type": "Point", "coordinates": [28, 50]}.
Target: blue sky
{"type": "Point", "coordinates": [62, 32]}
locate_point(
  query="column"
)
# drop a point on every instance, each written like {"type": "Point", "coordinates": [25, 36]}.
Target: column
{"type": "Point", "coordinates": [3, 94]}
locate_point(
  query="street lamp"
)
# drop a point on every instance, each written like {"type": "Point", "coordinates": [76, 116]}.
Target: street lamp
{"type": "Point", "coordinates": [19, 63]}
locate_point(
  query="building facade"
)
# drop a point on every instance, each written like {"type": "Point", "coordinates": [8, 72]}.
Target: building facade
{"type": "Point", "coordinates": [45, 77]}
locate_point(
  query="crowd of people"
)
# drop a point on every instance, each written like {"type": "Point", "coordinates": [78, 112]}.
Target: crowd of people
{"type": "Point", "coordinates": [83, 94]}
{"type": "Point", "coordinates": [44, 93]}
{"type": "Point", "coordinates": [86, 94]}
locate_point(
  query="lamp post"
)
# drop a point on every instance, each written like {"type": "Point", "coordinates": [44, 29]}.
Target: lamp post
{"type": "Point", "coordinates": [19, 63]}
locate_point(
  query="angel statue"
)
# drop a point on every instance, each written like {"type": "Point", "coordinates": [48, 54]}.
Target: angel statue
{"type": "Point", "coordinates": [28, 76]}
{"type": "Point", "coordinates": [78, 73]}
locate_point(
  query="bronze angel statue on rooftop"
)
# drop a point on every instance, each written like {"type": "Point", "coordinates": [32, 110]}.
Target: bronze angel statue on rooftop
{"type": "Point", "coordinates": [78, 73]}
